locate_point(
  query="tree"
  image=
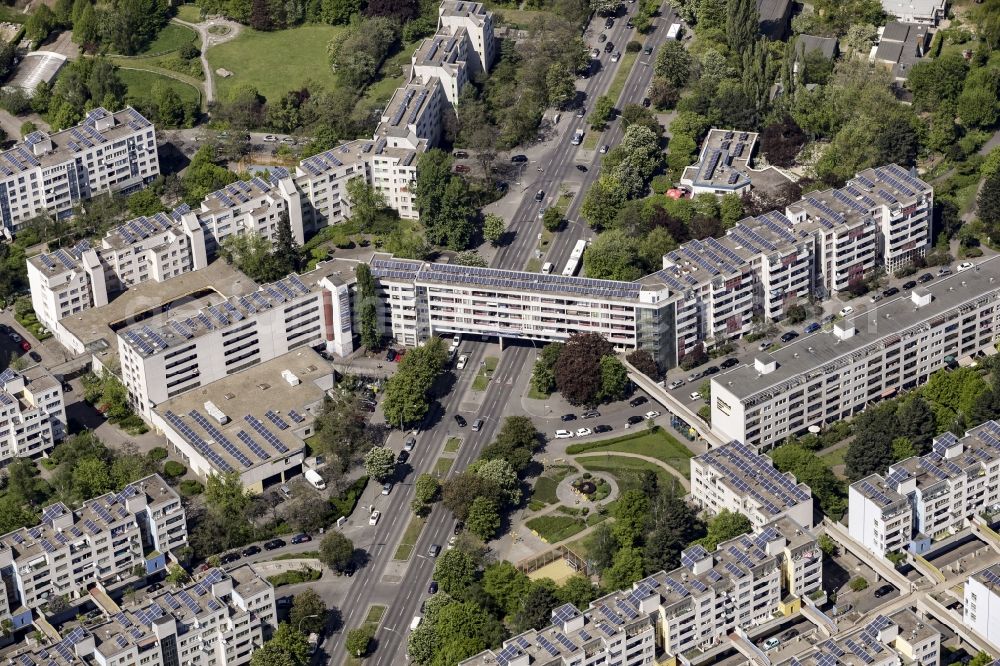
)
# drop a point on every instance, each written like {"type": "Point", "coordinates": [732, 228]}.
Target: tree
{"type": "Point", "coordinates": [981, 659]}
{"type": "Point", "coordinates": [371, 337]}
{"type": "Point", "coordinates": [426, 488]}
{"type": "Point", "coordinates": [673, 64]}
{"type": "Point", "coordinates": [459, 492]}
{"type": "Point", "coordinates": [903, 448]}
{"type": "Point", "coordinates": [977, 107]}
{"type": "Point", "coordinates": [612, 257]}
{"type": "Point", "coordinates": [484, 518]}
{"type": "Point", "coordinates": [501, 475]}
{"type": "Point", "coordinates": [724, 526]}
{"type": "Point", "coordinates": [366, 202]}
{"type": "Point", "coordinates": [871, 449]}
{"type": "Point", "coordinates": [916, 422]}
{"type": "Point", "coordinates": [578, 370]}
{"type": "Point", "coordinates": [731, 210]}
{"type": "Point", "coordinates": [455, 571]}
{"type": "Point", "coordinates": [407, 393]}
{"type": "Point", "coordinates": [336, 551]}
{"type": "Point", "coordinates": [602, 112]}
{"type": "Point", "coordinates": [643, 361]}
{"type": "Point", "coordinates": [506, 585]}
{"type": "Point", "coordinates": [91, 478]}
{"type": "Point", "coordinates": [358, 640]}
{"type": "Point", "coordinates": [380, 463]}
{"type": "Point", "coordinates": [742, 21]}
{"type": "Point", "coordinates": [938, 81]}
{"type": "Point", "coordinates": [470, 258]}
{"type": "Point", "coordinates": [536, 606]}
{"type": "Point", "coordinates": [625, 569]}
{"type": "Point", "coordinates": [177, 574]}
{"type": "Point", "coordinates": [663, 95]}
{"type": "Point", "coordinates": [781, 141]}
{"type": "Point", "coordinates": [552, 219]}
{"type": "Point", "coordinates": [605, 6]}
{"type": "Point", "coordinates": [494, 228]}
{"type": "Point", "coordinates": [601, 547]}
{"type": "Point", "coordinates": [614, 379]}
{"type": "Point", "coordinates": [631, 516]}
{"type": "Point", "coordinates": [285, 253]}
{"type": "Point", "coordinates": [543, 379]}
{"type": "Point", "coordinates": [308, 613]}
{"type": "Point", "coordinates": [40, 24]}
{"type": "Point", "coordinates": [860, 38]}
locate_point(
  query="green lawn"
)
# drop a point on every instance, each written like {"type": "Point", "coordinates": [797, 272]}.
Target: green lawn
{"type": "Point", "coordinates": [372, 620]}
{"type": "Point", "coordinates": [482, 379]}
{"type": "Point", "coordinates": [171, 38]}
{"type": "Point", "coordinates": [545, 490]}
{"type": "Point", "coordinates": [442, 466]}
{"type": "Point", "coordinates": [409, 539]}
{"type": "Point", "coordinates": [12, 15]}
{"type": "Point", "coordinates": [615, 465]}
{"type": "Point", "coordinates": [556, 528]}
{"type": "Point", "coordinates": [189, 13]}
{"type": "Point", "coordinates": [393, 76]}
{"type": "Point", "coordinates": [655, 444]}
{"type": "Point", "coordinates": [251, 58]}
{"type": "Point", "coordinates": [591, 139]}
{"type": "Point", "coordinates": [621, 76]}
{"type": "Point", "coordinates": [140, 84]}
{"type": "Point", "coordinates": [534, 265]}
{"type": "Point", "coordinates": [452, 445]}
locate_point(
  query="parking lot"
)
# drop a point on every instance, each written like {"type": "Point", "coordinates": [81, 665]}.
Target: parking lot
{"type": "Point", "coordinates": [839, 571]}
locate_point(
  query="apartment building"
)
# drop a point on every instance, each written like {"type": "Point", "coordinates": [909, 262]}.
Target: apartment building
{"type": "Point", "coordinates": [253, 422]}
{"type": "Point", "coordinates": [477, 22]}
{"type": "Point", "coordinates": [204, 337]}
{"type": "Point", "coordinates": [421, 299]}
{"type": "Point", "coordinates": [830, 375]}
{"type": "Point", "coordinates": [723, 165]}
{"type": "Point", "coordinates": [155, 248]}
{"type": "Point", "coordinates": [413, 115]}
{"type": "Point", "coordinates": [900, 638]}
{"type": "Point", "coordinates": [692, 608]}
{"type": "Point", "coordinates": [443, 57]}
{"type": "Point", "coordinates": [104, 541]}
{"type": "Point", "coordinates": [982, 603]}
{"type": "Point", "coordinates": [217, 621]}
{"type": "Point", "coordinates": [925, 498]}
{"type": "Point", "coordinates": [51, 173]}
{"type": "Point", "coordinates": [736, 478]}
{"type": "Point", "coordinates": [32, 413]}
{"type": "Point", "coordinates": [902, 206]}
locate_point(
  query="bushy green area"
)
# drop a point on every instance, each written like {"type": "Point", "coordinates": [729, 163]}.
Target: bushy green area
{"type": "Point", "coordinates": [655, 443]}
{"type": "Point", "coordinates": [304, 575]}
{"type": "Point", "coordinates": [343, 504]}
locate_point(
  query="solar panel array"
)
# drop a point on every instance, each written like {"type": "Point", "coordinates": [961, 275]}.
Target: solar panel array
{"type": "Point", "coordinates": [737, 462]}
{"type": "Point", "coordinates": [189, 601]}
{"type": "Point", "coordinates": [195, 439]}
{"type": "Point", "coordinates": [268, 436]}
{"type": "Point", "coordinates": [507, 654]}
{"type": "Point", "coordinates": [874, 493]}
{"type": "Point", "coordinates": [564, 613]}
{"type": "Point", "coordinates": [148, 615]}
{"type": "Point", "coordinates": [547, 645]}
{"type": "Point", "coordinates": [859, 651]}
{"type": "Point", "coordinates": [210, 579]}
{"type": "Point", "coordinates": [692, 555]}
{"type": "Point", "coordinates": [295, 416]}
{"type": "Point", "coordinates": [887, 196]}
{"type": "Point", "coordinates": [252, 444]}
{"type": "Point", "coordinates": [220, 438]}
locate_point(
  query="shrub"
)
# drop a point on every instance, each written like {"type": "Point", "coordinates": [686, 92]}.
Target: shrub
{"type": "Point", "coordinates": [858, 584]}
{"type": "Point", "coordinates": [190, 488]}
{"type": "Point", "coordinates": [303, 575]}
{"type": "Point", "coordinates": [633, 47]}
{"type": "Point", "coordinates": [174, 469]}
{"type": "Point", "coordinates": [344, 504]}
{"type": "Point", "coordinates": [159, 453]}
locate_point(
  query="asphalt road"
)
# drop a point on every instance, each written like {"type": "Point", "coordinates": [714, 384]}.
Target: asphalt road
{"type": "Point", "coordinates": [403, 598]}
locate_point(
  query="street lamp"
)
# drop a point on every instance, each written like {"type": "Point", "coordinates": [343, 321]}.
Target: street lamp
{"type": "Point", "coordinates": [305, 618]}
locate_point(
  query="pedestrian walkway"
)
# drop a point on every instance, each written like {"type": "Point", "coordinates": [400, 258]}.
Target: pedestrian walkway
{"type": "Point", "coordinates": [637, 456]}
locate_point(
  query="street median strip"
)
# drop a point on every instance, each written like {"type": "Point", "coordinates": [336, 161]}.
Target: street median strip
{"type": "Point", "coordinates": [409, 541]}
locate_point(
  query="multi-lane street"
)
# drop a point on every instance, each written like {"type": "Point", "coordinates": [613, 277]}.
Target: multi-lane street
{"type": "Point", "coordinates": [377, 582]}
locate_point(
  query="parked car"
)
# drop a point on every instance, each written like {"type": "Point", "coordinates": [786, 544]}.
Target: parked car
{"type": "Point", "coordinates": [567, 417]}
{"type": "Point", "coordinates": [695, 376]}
{"type": "Point", "coordinates": [609, 22]}
{"type": "Point", "coordinates": [460, 420]}
{"type": "Point", "coordinates": [387, 487]}
{"type": "Point", "coordinates": [616, 56]}
{"type": "Point", "coordinates": [461, 155]}
{"type": "Point", "coordinates": [965, 265]}
{"type": "Point", "coordinates": [926, 277]}
{"type": "Point", "coordinates": [789, 336]}
{"type": "Point", "coordinates": [790, 634]}
{"type": "Point", "coordinates": [227, 558]}
{"type": "Point", "coordinates": [846, 311]}
{"type": "Point", "coordinates": [811, 328]}
{"type": "Point", "coordinates": [884, 590]}
{"type": "Point", "coordinates": [676, 384]}
{"type": "Point", "coordinates": [402, 457]}
{"type": "Point", "coordinates": [633, 420]}
{"type": "Point", "coordinates": [434, 550]}
{"type": "Point", "coordinates": [583, 432]}
{"type": "Point", "coordinates": [459, 526]}
{"type": "Point", "coordinates": [518, 159]}
{"type": "Point", "coordinates": [301, 538]}
{"type": "Point", "coordinates": [581, 167]}
{"type": "Point", "coordinates": [25, 345]}
{"type": "Point", "coordinates": [710, 370]}
{"type": "Point", "coordinates": [605, 148]}
{"type": "Point", "coordinates": [609, 47]}
{"type": "Point", "coordinates": [591, 414]}
{"type": "Point", "coordinates": [601, 38]}
{"type": "Point", "coordinates": [602, 428]}
{"type": "Point", "coordinates": [910, 284]}
{"type": "Point", "coordinates": [432, 588]}
{"type": "Point", "coordinates": [374, 518]}
{"type": "Point", "coordinates": [410, 442]}
{"type": "Point", "coordinates": [770, 643]}
{"type": "Point", "coordinates": [652, 414]}
{"type": "Point", "coordinates": [764, 345]}
{"type": "Point", "coordinates": [155, 587]}
{"type": "Point", "coordinates": [944, 270]}
{"type": "Point", "coordinates": [462, 360]}
{"type": "Point", "coordinates": [729, 363]}
{"type": "Point", "coordinates": [35, 356]}
{"type": "Point", "coordinates": [563, 434]}
{"type": "Point", "coordinates": [250, 551]}
{"type": "Point", "coordinates": [14, 337]}
{"type": "Point", "coordinates": [390, 355]}
{"type": "Point", "coordinates": [695, 395]}
{"type": "Point", "coordinates": [638, 400]}
{"type": "Point", "coordinates": [875, 298]}
{"type": "Point", "coordinates": [462, 168]}
{"type": "Point", "coordinates": [274, 544]}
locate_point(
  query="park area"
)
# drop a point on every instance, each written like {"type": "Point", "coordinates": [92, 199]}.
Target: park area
{"type": "Point", "coordinates": [654, 443]}
{"type": "Point", "coordinates": [275, 62]}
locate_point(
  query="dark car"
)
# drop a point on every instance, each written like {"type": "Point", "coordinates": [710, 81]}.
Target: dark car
{"type": "Point", "coordinates": [789, 336]}
{"type": "Point", "coordinates": [638, 400]}
{"type": "Point", "coordinates": [884, 590]}
{"type": "Point", "coordinates": [811, 328]}
{"type": "Point", "coordinates": [403, 456]}
{"type": "Point", "coordinates": [728, 363]}
{"type": "Point", "coordinates": [517, 159]}
{"type": "Point", "coordinates": [459, 526]}
{"type": "Point", "coordinates": [539, 195]}
{"type": "Point", "coordinates": [629, 24]}
{"type": "Point", "coordinates": [601, 38]}
{"type": "Point", "coordinates": [301, 538]}
{"type": "Point", "coordinates": [609, 23]}
{"type": "Point", "coordinates": [891, 291]}
{"type": "Point", "coordinates": [251, 550]}
{"type": "Point", "coordinates": [390, 355]}
{"type": "Point", "coordinates": [926, 277]}
{"type": "Point", "coordinates": [609, 47]}
{"type": "Point", "coordinates": [460, 420]}
{"type": "Point", "coordinates": [274, 544]}
{"type": "Point", "coordinates": [35, 356]}
{"type": "Point", "coordinates": [462, 168]}
{"type": "Point", "coordinates": [710, 370]}
{"type": "Point", "coordinates": [581, 167]}
{"type": "Point", "coordinates": [5, 329]}
{"type": "Point", "coordinates": [910, 284]}
{"type": "Point", "coordinates": [648, 50]}
{"type": "Point", "coordinates": [790, 634]}
{"type": "Point", "coordinates": [461, 155]}
{"type": "Point", "coordinates": [154, 587]}
{"type": "Point", "coordinates": [646, 103]}
{"type": "Point", "coordinates": [632, 420]}
{"type": "Point", "coordinates": [25, 345]}
{"type": "Point", "coordinates": [568, 417]}
{"type": "Point", "coordinates": [603, 428]}
{"type": "Point", "coordinates": [229, 558]}
{"type": "Point", "coordinates": [591, 414]}
{"type": "Point", "coordinates": [433, 587]}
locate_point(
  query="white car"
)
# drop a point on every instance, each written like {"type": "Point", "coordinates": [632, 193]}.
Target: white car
{"type": "Point", "coordinates": [373, 519]}
{"type": "Point", "coordinates": [452, 541]}
{"type": "Point", "coordinates": [563, 434]}
{"type": "Point", "coordinates": [677, 383]}
{"type": "Point", "coordinates": [616, 56]}
{"type": "Point", "coordinates": [695, 395]}
{"type": "Point", "coordinates": [595, 54]}
{"type": "Point", "coordinates": [965, 265]}
{"type": "Point", "coordinates": [605, 148]}
{"type": "Point", "coordinates": [652, 415]}
{"type": "Point", "coordinates": [583, 432]}
{"type": "Point", "coordinates": [846, 311]}
{"type": "Point", "coordinates": [462, 360]}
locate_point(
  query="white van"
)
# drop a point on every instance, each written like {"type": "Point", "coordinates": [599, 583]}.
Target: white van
{"type": "Point", "coordinates": [313, 477]}
{"type": "Point", "coordinates": [415, 622]}
{"type": "Point", "coordinates": [547, 268]}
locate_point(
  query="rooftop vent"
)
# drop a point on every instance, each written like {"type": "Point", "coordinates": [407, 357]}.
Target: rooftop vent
{"type": "Point", "coordinates": [290, 377]}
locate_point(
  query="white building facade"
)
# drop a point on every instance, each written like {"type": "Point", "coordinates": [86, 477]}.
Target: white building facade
{"type": "Point", "coordinates": [982, 603]}
{"type": "Point", "coordinates": [32, 414]}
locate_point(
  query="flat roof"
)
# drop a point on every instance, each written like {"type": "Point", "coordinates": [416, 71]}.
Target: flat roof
{"type": "Point", "coordinates": [462, 8]}
{"type": "Point", "coordinates": [243, 191]}
{"type": "Point", "coordinates": [990, 577]}
{"type": "Point", "coordinates": [723, 161]}
{"type": "Point", "coordinates": [407, 104]}
{"type": "Point", "coordinates": [277, 403]}
{"type": "Point", "coordinates": [950, 457]}
{"type": "Point", "coordinates": [750, 474]}
{"type": "Point", "coordinates": [872, 324]}
{"type": "Point", "coordinates": [865, 644]}
{"type": "Point", "coordinates": [441, 50]}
